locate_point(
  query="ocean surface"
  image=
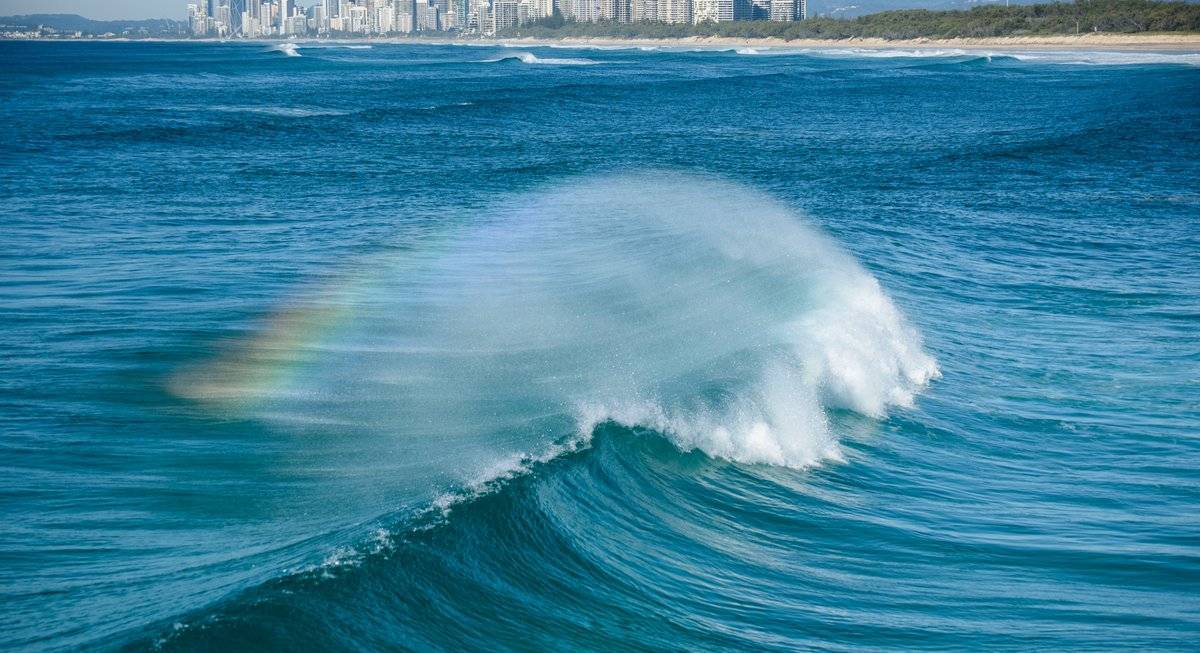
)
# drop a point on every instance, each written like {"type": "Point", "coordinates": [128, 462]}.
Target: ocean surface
{"type": "Point", "coordinates": [481, 348]}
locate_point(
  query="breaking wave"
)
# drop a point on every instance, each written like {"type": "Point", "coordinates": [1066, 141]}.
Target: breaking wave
{"type": "Point", "coordinates": [691, 306]}
{"type": "Point", "coordinates": [530, 58]}
{"type": "Point", "coordinates": [280, 111]}
{"type": "Point", "coordinates": [1069, 57]}
{"type": "Point", "coordinates": [288, 49]}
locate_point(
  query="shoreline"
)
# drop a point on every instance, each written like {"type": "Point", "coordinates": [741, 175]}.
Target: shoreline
{"type": "Point", "coordinates": [1092, 41]}
{"type": "Point", "coordinates": [1089, 41]}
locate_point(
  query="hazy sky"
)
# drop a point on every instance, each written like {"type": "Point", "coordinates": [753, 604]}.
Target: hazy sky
{"type": "Point", "coordinates": [100, 9]}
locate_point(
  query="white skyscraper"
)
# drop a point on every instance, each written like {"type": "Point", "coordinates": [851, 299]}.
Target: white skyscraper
{"type": "Point", "coordinates": [504, 15]}
{"type": "Point", "coordinates": [783, 10]}
{"type": "Point", "coordinates": [645, 10]}
{"type": "Point", "coordinates": [675, 11]}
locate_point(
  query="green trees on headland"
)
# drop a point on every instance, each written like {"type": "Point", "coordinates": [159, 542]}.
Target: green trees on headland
{"type": "Point", "coordinates": [1114, 16]}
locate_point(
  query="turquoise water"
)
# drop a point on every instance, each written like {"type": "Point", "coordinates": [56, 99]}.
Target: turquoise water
{"type": "Point", "coordinates": [479, 348]}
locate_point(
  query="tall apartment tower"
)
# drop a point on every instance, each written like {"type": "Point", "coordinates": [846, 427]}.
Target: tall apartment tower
{"type": "Point", "coordinates": [620, 11]}
{"type": "Point", "coordinates": [675, 11]}
{"type": "Point", "coordinates": [645, 11]}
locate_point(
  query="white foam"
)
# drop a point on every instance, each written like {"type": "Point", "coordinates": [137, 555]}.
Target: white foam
{"type": "Point", "coordinates": [1101, 58]}
{"type": "Point", "coordinates": [289, 49]}
{"type": "Point", "coordinates": [282, 111]}
{"type": "Point", "coordinates": [689, 305]}
{"type": "Point", "coordinates": [530, 58]}
{"type": "Point", "coordinates": [1069, 57]}
{"type": "Point", "coordinates": [850, 350]}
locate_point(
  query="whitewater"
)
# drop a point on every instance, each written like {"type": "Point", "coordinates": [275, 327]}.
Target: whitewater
{"type": "Point", "coordinates": [730, 326]}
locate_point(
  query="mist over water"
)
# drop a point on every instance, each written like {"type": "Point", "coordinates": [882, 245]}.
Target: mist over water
{"type": "Point", "coordinates": [681, 303]}
{"type": "Point", "coordinates": [507, 348]}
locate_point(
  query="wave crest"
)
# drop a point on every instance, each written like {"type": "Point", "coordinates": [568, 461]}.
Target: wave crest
{"type": "Point", "coordinates": [287, 49]}
{"type": "Point", "coordinates": [530, 58]}
{"type": "Point", "coordinates": [689, 305]}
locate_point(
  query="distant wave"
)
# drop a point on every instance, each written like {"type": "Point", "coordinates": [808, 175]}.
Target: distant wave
{"type": "Point", "coordinates": [452, 105]}
{"type": "Point", "coordinates": [769, 51]}
{"type": "Point", "coordinates": [530, 58]}
{"type": "Point", "coordinates": [686, 305]}
{"type": "Point", "coordinates": [282, 111]}
{"type": "Point", "coordinates": [289, 49]}
{"type": "Point", "coordinates": [1097, 58]}
{"type": "Point", "coordinates": [334, 47]}
{"type": "Point", "coordinates": [292, 49]}
{"type": "Point", "coordinates": [1106, 58]}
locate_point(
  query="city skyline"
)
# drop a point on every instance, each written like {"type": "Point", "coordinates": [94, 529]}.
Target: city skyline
{"type": "Point", "coordinates": [287, 18]}
{"type": "Point", "coordinates": [145, 9]}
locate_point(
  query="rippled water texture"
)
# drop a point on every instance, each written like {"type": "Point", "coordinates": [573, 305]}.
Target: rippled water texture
{"type": "Point", "coordinates": [421, 347]}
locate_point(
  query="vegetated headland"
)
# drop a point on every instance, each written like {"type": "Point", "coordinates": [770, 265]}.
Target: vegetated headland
{"type": "Point", "coordinates": [1096, 22]}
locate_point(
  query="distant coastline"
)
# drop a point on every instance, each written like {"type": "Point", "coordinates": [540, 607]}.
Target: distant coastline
{"type": "Point", "coordinates": [1112, 24]}
{"type": "Point", "coordinates": [1089, 41]}
{"type": "Point", "coordinates": [1083, 41]}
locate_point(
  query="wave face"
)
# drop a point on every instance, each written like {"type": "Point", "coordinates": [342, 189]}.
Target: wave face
{"type": "Point", "coordinates": [391, 349]}
{"type": "Point", "coordinates": [530, 58]}
{"type": "Point", "coordinates": [287, 49]}
{"type": "Point", "coordinates": [688, 305]}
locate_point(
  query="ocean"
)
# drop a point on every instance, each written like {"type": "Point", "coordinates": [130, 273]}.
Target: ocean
{"type": "Point", "coordinates": [387, 347]}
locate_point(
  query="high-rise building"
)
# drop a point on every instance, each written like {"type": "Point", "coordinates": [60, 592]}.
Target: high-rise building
{"type": "Point", "coordinates": [675, 11]}
{"type": "Point", "coordinates": [541, 9]}
{"type": "Point", "coordinates": [256, 18]}
{"type": "Point", "coordinates": [197, 19]}
{"type": "Point", "coordinates": [645, 10]}
{"type": "Point", "coordinates": [588, 11]}
{"type": "Point", "coordinates": [236, 7]}
{"type": "Point", "coordinates": [480, 18]}
{"type": "Point", "coordinates": [504, 15]}
{"type": "Point", "coordinates": [783, 10]}
{"type": "Point", "coordinates": [712, 11]}
{"type": "Point", "coordinates": [620, 11]}
{"type": "Point", "coordinates": [414, 20]}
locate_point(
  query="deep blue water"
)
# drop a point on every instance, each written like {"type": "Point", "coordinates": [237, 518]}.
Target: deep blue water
{"type": "Point", "coordinates": [481, 348]}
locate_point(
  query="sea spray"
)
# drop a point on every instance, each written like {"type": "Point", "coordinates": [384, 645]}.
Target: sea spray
{"type": "Point", "coordinates": [685, 304]}
{"type": "Point", "coordinates": [530, 58]}
{"type": "Point", "coordinates": [287, 49]}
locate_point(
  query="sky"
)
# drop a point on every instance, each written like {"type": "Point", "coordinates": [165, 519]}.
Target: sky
{"type": "Point", "coordinates": [98, 9]}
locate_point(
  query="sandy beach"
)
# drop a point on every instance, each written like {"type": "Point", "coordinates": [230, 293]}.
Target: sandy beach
{"type": "Point", "coordinates": [1093, 41]}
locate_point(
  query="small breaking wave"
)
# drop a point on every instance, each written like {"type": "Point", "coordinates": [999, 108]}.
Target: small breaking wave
{"type": "Point", "coordinates": [770, 51]}
{"type": "Point", "coordinates": [530, 58]}
{"type": "Point", "coordinates": [1102, 58]}
{"type": "Point", "coordinates": [285, 112]}
{"type": "Point", "coordinates": [287, 49]}
{"type": "Point", "coordinates": [1069, 57]}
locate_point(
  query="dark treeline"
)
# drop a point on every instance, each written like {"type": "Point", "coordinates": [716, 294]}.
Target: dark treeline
{"type": "Point", "coordinates": [76, 23]}
{"type": "Point", "coordinates": [1122, 16]}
